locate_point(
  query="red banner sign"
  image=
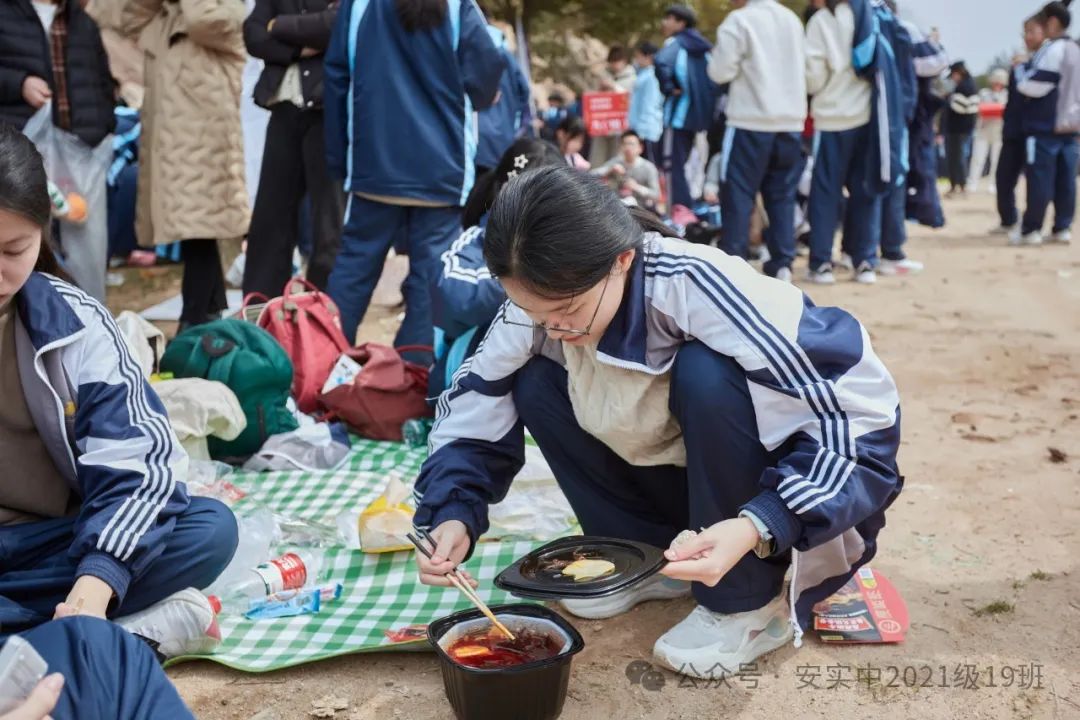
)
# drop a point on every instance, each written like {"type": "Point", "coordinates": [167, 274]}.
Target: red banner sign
{"type": "Point", "coordinates": [606, 113]}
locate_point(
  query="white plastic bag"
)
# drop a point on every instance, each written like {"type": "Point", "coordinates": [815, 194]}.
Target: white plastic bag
{"type": "Point", "coordinates": [75, 167]}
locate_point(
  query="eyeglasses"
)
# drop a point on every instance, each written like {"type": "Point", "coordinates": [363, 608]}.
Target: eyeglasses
{"type": "Point", "coordinates": [566, 331]}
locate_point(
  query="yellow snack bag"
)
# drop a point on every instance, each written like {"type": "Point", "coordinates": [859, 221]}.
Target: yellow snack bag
{"type": "Point", "coordinates": [385, 523]}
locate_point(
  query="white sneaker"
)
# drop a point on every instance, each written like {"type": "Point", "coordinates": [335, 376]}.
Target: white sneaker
{"type": "Point", "coordinates": [1061, 237]}
{"type": "Point", "coordinates": [900, 267]}
{"type": "Point", "coordinates": [784, 274]}
{"type": "Point", "coordinates": [181, 624]}
{"type": "Point", "coordinates": [866, 275]}
{"type": "Point", "coordinates": [846, 263]}
{"type": "Point", "coordinates": [1032, 238]}
{"type": "Point", "coordinates": [1004, 229]}
{"type": "Point", "coordinates": [822, 276]}
{"type": "Point", "coordinates": [710, 645]}
{"type": "Point", "coordinates": [657, 587]}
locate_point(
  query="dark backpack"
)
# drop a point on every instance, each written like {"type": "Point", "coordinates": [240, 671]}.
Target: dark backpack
{"type": "Point", "coordinates": [252, 364]}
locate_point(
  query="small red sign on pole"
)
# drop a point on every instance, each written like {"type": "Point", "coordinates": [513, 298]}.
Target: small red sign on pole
{"type": "Point", "coordinates": [606, 113]}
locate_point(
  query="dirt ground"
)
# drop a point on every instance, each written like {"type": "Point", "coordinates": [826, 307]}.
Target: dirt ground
{"type": "Point", "coordinates": [983, 543]}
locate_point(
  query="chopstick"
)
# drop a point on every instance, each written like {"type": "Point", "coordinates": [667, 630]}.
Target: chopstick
{"type": "Point", "coordinates": [460, 582]}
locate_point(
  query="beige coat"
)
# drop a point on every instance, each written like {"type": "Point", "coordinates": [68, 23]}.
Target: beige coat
{"type": "Point", "coordinates": [191, 162]}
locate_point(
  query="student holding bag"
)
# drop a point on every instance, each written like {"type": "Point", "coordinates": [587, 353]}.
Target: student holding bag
{"type": "Point", "coordinates": [669, 386]}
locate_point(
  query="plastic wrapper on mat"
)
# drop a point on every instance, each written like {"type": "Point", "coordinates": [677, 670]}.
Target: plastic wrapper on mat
{"type": "Point", "coordinates": [535, 508]}
{"type": "Point", "coordinates": [384, 524]}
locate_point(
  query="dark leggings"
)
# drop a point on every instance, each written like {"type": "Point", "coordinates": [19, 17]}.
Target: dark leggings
{"type": "Point", "coordinates": [203, 287]}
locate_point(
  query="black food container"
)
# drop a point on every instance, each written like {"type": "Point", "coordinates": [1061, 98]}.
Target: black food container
{"type": "Point", "coordinates": [533, 691]}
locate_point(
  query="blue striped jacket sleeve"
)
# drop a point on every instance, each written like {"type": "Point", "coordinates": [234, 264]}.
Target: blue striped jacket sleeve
{"type": "Point", "coordinates": [130, 465]}
{"type": "Point", "coordinates": [478, 441]}
{"type": "Point", "coordinates": [337, 79]}
{"type": "Point", "coordinates": [468, 296]}
{"type": "Point", "coordinates": [1042, 74]}
{"type": "Point", "coordinates": [821, 395]}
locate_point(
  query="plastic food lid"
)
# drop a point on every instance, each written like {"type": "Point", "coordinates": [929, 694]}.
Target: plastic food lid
{"type": "Point", "coordinates": [540, 574]}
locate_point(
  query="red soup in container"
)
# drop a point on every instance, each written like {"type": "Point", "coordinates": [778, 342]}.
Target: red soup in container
{"type": "Point", "coordinates": [488, 675]}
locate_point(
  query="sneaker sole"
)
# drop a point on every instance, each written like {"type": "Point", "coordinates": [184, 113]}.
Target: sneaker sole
{"type": "Point", "coordinates": [729, 662]}
{"type": "Point", "coordinates": [617, 605]}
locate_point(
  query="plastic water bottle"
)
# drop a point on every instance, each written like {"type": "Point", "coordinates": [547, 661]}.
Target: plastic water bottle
{"type": "Point", "coordinates": [415, 432]}
{"type": "Point", "coordinates": [290, 571]}
{"type": "Point", "coordinates": [258, 533]}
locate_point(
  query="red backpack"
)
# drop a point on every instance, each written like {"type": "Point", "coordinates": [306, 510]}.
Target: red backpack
{"type": "Point", "coordinates": [388, 391]}
{"type": "Point", "coordinates": [308, 326]}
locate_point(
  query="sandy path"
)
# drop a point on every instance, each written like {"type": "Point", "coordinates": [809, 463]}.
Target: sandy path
{"type": "Point", "coordinates": [984, 346]}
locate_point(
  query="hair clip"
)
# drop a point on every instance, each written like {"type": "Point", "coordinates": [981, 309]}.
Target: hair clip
{"type": "Point", "coordinates": [521, 161]}
{"type": "Point", "coordinates": [511, 174]}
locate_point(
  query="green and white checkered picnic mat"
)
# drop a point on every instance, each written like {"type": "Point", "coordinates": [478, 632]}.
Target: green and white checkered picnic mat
{"type": "Point", "coordinates": [381, 591]}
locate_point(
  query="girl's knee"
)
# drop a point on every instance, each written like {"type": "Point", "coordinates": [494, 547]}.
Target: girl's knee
{"type": "Point", "coordinates": [703, 376]}
{"type": "Point", "coordinates": [221, 536]}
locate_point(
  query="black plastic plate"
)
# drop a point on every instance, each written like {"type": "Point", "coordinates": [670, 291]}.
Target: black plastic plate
{"type": "Point", "coordinates": [538, 575]}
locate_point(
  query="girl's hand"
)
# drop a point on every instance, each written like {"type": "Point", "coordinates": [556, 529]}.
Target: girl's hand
{"type": "Point", "coordinates": [89, 596]}
{"type": "Point", "coordinates": [40, 702]}
{"type": "Point", "coordinates": [452, 538]}
{"type": "Point", "coordinates": [707, 557]}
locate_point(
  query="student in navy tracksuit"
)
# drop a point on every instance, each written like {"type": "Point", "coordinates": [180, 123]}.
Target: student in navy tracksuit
{"type": "Point", "coordinates": [1013, 147]}
{"type": "Point", "coordinates": [466, 296]}
{"type": "Point", "coordinates": [924, 200]}
{"type": "Point", "coordinates": [95, 519]}
{"type": "Point", "coordinates": [690, 97]}
{"type": "Point", "coordinates": [669, 386]}
{"type": "Point", "coordinates": [843, 132]}
{"type": "Point", "coordinates": [766, 114]}
{"type": "Point", "coordinates": [1051, 158]}
{"type": "Point", "coordinates": [511, 115]}
{"type": "Point", "coordinates": [403, 79]}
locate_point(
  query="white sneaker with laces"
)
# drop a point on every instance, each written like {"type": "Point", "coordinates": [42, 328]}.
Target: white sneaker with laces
{"type": "Point", "coordinates": [784, 274]}
{"type": "Point", "coordinates": [866, 275]}
{"type": "Point", "coordinates": [1004, 229]}
{"type": "Point", "coordinates": [1032, 238]}
{"type": "Point", "coordinates": [822, 276]}
{"type": "Point", "coordinates": [907, 266]}
{"type": "Point", "coordinates": [657, 587]}
{"type": "Point", "coordinates": [181, 624]}
{"type": "Point", "coordinates": [711, 645]}
{"type": "Point", "coordinates": [1061, 237]}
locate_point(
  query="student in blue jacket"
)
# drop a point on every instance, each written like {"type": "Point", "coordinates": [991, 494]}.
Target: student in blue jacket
{"type": "Point", "coordinates": [690, 97]}
{"type": "Point", "coordinates": [403, 80]}
{"type": "Point", "coordinates": [510, 117]}
{"type": "Point", "coordinates": [95, 518]}
{"type": "Point", "coordinates": [1052, 158]}
{"type": "Point", "coordinates": [669, 386]}
{"type": "Point", "coordinates": [646, 115]}
{"type": "Point", "coordinates": [466, 295]}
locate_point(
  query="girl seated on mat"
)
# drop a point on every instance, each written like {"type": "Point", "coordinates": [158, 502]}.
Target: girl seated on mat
{"type": "Point", "coordinates": [95, 518]}
{"type": "Point", "coordinates": [466, 297]}
{"type": "Point", "coordinates": [669, 386]}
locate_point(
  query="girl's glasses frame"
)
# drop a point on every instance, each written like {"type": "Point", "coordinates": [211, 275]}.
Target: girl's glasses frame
{"type": "Point", "coordinates": [566, 331]}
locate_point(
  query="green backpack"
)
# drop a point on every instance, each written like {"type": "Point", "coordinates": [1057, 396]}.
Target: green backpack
{"type": "Point", "coordinates": [252, 364]}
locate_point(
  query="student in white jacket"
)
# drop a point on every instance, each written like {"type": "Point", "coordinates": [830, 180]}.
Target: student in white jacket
{"type": "Point", "coordinates": [759, 50]}
{"type": "Point", "coordinates": [841, 111]}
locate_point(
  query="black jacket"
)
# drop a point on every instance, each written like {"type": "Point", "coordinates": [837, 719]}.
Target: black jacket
{"type": "Point", "coordinates": [24, 52]}
{"type": "Point", "coordinates": [297, 24]}
{"type": "Point", "coordinates": [962, 113]}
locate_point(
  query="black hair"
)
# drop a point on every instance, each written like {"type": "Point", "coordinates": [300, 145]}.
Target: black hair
{"type": "Point", "coordinates": [617, 53]}
{"type": "Point", "coordinates": [647, 48]}
{"type": "Point", "coordinates": [960, 67]}
{"type": "Point", "coordinates": [24, 190]}
{"type": "Point", "coordinates": [631, 133]}
{"type": "Point", "coordinates": [556, 97]}
{"type": "Point", "coordinates": [573, 126]}
{"type": "Point", "coordinates": [421, 15]}
{"type": "Point", "coordinates": [1057, 11]}
{"type": "Point", "coordinates": [525, 155]}
{"type": "Point", "coordinates": [559, 232]}
{"type": "Point", "coordinates": [682, 12]}
{"type": "Point", "coordinates": [831, 4]}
